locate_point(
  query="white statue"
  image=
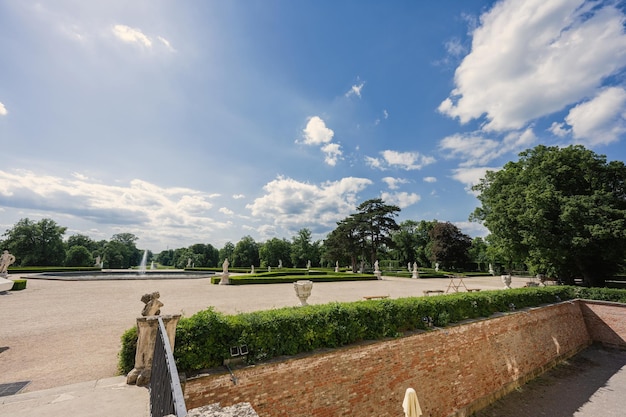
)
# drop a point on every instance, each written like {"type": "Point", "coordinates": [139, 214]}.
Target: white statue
{"type": "Point", "coordinates": [225, 266]}
{"type": "Point", "coordinates": [280, 263]}
{"type": "Point", "coordinates": [436, 266]}
{"type": "Point", "coordinates": [5, 261]}
{"type": "Point", "coordinates": [252, 269]}
{"type": "Point", "coordinates": [491, 269]}
{"type": "Point", "coordinates": [376, 266]}
{"type": "Point", "coordinates": [308, 264]}
{"type": "Point", "coordinates": [416, 274]}
{"type": "Point", "coordinates": [98, 260]}
{"type": "Point", "coordinates": [408, 266]}
{"type": "Point", "coordinates": [337, 266]}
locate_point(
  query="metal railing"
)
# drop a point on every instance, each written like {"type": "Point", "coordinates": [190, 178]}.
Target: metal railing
{"type": "Point", "coordinates": [166, 395]}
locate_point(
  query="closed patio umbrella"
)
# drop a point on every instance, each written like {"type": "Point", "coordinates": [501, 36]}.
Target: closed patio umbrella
{"type": "Point", "coordinates": [410, 404]}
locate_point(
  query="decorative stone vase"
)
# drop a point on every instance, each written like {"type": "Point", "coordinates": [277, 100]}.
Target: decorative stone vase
{"type": "Point", "coordinates": [506, 280]}
{"type": "Point", "coordinates": [303, 290]}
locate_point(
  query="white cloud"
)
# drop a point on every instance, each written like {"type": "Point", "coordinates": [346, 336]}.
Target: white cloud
{"type": "Point", "coordinates": [3, 110]}
{"type": "Point", "coordinates": [454, 47]}
{"type": "Point", "coordinates": [404, 160]}
{"type": "Point", "coordinates": [138, 205]}
{"type": "Point", "coordinates": [355, 90]}
{"type": "Point", "coordinates": [473, 229]}
{"type": "Point", "coordinates": [430, 179]}
{"type": "Point", "coordinates": [600, 120]}
{"type": "Point", "coordinates": [166, 43]}
{"type": "Point", "coordinates": [226, 211]}
{"type": "Point", "coordinates": [475, 149]}
{"type": "Point", "coordinates": [394, 183]}
{"type": "Point", "coordinates": [402, 199]}
{"type": "Point", "coordinates": [471, 176]}
{"type": "Point", "coordinates": [559, 129]}
{"type": "Point", "coordinates": [535, 57]}
{"type": "Point", "coordinates": [131, 35]}
{"type": "Point", "coordinates": [238, 196]}
{"type": "Point", "coordinates": [291, 204]}
{"type": "Point", "coordinates": [332, 152]}
{"type": "Point", "coordinates": [316, 132]}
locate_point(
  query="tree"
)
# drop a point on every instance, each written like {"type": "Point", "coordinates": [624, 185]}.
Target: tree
{"type": "Point", "coordinates": [478, 252]}
{"type": "Point", "coordinates": [274, 250]}
{"type": "Point", "coordinates": [121, 251]}
{"type": "Point", "coordinates": [79, 255]}
{"type": "Point", "coordinates": [449, 246]}
{"type": "Point", "coordinates": [562, 211]}
{"type": "Point", "coordinates": [422, 232]}
{"type": "Point", "coordinates": [302, 250]}
{"type": "Point", "coordinates": [344, 244]}
{"type": "Point", "coordinates": [406, 240]}
{"type": "Point", "coordinates": [36, 243]}
{"type": "Point", "coordinates": [246, 252]}
{"type": "Point", "coordinates": [227, 252]}
{"type": "Point", "coordinates": [376, 223]}
{"type": "Point", "coordinates": [82, 240]}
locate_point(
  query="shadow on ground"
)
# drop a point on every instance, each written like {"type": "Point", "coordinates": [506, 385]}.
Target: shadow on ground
{"type": "Point", "coordinates": [563, 390]}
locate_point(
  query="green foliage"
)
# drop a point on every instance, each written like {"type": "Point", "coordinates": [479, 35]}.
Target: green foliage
{"type": "Point", "coordinates": [291, 276]}
{"type": "Point", "coordinates": [18, 285]}
{"type": "Point", "coordinates": [449, 246]}
{"type": "Point", "coordinates": [274, 250]}
{"type": "Point", "coordinates": [126, 356]}
{"type": "Point", "coordinates": [204, 339]}
{"type": "Point", "coordinates": [36, 243]}
{"type": "Point", "coordinates": [78, 256]}
{"type": "Point", "coordinates": [562, 211]}
{"type": "Point", "coordinates": [246, 253]}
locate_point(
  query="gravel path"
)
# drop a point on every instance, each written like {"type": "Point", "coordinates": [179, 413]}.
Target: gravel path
{"type": "Point", "coordinates": [62, 332]}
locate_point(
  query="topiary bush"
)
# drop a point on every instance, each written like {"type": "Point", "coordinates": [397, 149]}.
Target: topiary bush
{"type": "Point", "coordinates": [18, 285]}
{"type": "Point", "coordinates": [126, 356]}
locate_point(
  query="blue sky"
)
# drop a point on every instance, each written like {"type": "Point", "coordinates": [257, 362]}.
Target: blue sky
{"type": "Point", "coordinates": [206, 121]}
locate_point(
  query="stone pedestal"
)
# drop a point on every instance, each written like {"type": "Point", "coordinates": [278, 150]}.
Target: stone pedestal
{"type": "Point", "coordinates": [416, 274]}
{"type": "Point", "coordinates": [224, 280]}
{"type": "Point", "coordinates": [303, 290]}
{"type": "Point", "coordinates": [379, 275]}
{"type": "Point", "coordinates": [147, 328]}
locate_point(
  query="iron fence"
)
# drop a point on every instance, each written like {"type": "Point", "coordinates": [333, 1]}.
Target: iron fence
{"type": "Point", "coordinates": [166, 395]}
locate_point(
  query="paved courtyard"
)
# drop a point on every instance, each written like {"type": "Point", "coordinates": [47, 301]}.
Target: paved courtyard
{"type": "Point", "coordinates": [62, 332]}
{"type": "Point", "coordinates": [64, 336]}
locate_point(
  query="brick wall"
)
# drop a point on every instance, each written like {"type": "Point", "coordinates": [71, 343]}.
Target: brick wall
{"type": "Point", "coordinates": [454, 371]}
{"type": "Point", "coordinates": [606, 322]}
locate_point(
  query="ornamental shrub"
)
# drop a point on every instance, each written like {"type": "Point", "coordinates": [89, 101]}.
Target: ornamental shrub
{"type": "Point", "coordinates": [18, 285]}
{"type": "Point", "coordinates": [204, 339]}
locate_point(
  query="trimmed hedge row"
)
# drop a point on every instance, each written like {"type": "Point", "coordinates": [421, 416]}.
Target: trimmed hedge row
{"type": "Point", "coordinates": [286, 278]}
{"type": "Point", "coordinates": [18, 285]}
{"type": "Point", "coordinates": [204, 339]}
{"type": "Point", "coordinates": [41, 269]}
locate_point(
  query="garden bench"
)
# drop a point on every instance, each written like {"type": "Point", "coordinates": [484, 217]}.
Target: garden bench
{"type": "Point", "coordinates": [436, 292]}
{"type": "Point", "coordinates": [373, 297]}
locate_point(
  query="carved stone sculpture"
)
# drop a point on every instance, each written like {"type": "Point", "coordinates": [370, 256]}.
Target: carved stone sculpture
{"type": "Point", "coordinates": [6, 259]}
{"type": "Point", "coordinates": [303, 290]}
{"type": "Point", "coordinates": [152, 304]}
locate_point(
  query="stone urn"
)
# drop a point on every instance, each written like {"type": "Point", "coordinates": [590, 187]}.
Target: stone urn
{"type": "Point", "coordinates": [506, 280]}
{"type": "Point", "coordinates": [303, 290]}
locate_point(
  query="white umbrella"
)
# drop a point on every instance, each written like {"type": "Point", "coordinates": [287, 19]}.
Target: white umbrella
{"type": "Point", "coordinates": [410, 404]}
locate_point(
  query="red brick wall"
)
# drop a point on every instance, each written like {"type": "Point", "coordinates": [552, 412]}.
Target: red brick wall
{"type": "Point", "coordinates": [454, 371]}
{"type": "Point", "coordinates": [606, 322]}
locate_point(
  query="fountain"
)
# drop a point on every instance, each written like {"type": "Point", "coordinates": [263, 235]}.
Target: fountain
{"type": "Point", "coordinates": [144, 260]}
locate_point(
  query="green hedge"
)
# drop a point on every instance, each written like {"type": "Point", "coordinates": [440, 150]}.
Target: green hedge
{"type": "Point", "coordinates": [285, 278]}
{"type": "Point", "coordinates": [42, 269]}
{"type": "Point", "coordinates": [204, 339]}
{"type": "Point", "coordinates": [18, 285]}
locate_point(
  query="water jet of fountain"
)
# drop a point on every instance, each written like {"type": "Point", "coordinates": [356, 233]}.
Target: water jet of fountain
{"type": "Point", "coordinates": [144, 260]}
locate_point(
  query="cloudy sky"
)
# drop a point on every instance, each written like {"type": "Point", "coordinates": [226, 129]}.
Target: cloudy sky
{"type": "Point", "coordinates": [206, 121]}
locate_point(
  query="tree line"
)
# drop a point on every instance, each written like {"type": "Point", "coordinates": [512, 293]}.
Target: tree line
{"type": "Point", "coordinates": [368, 235]}
{"type": "Point", "coordinates": [556, 211]}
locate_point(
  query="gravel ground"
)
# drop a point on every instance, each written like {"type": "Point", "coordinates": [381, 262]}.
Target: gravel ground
{"type": "Point", "coordinates": [57, 333]}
